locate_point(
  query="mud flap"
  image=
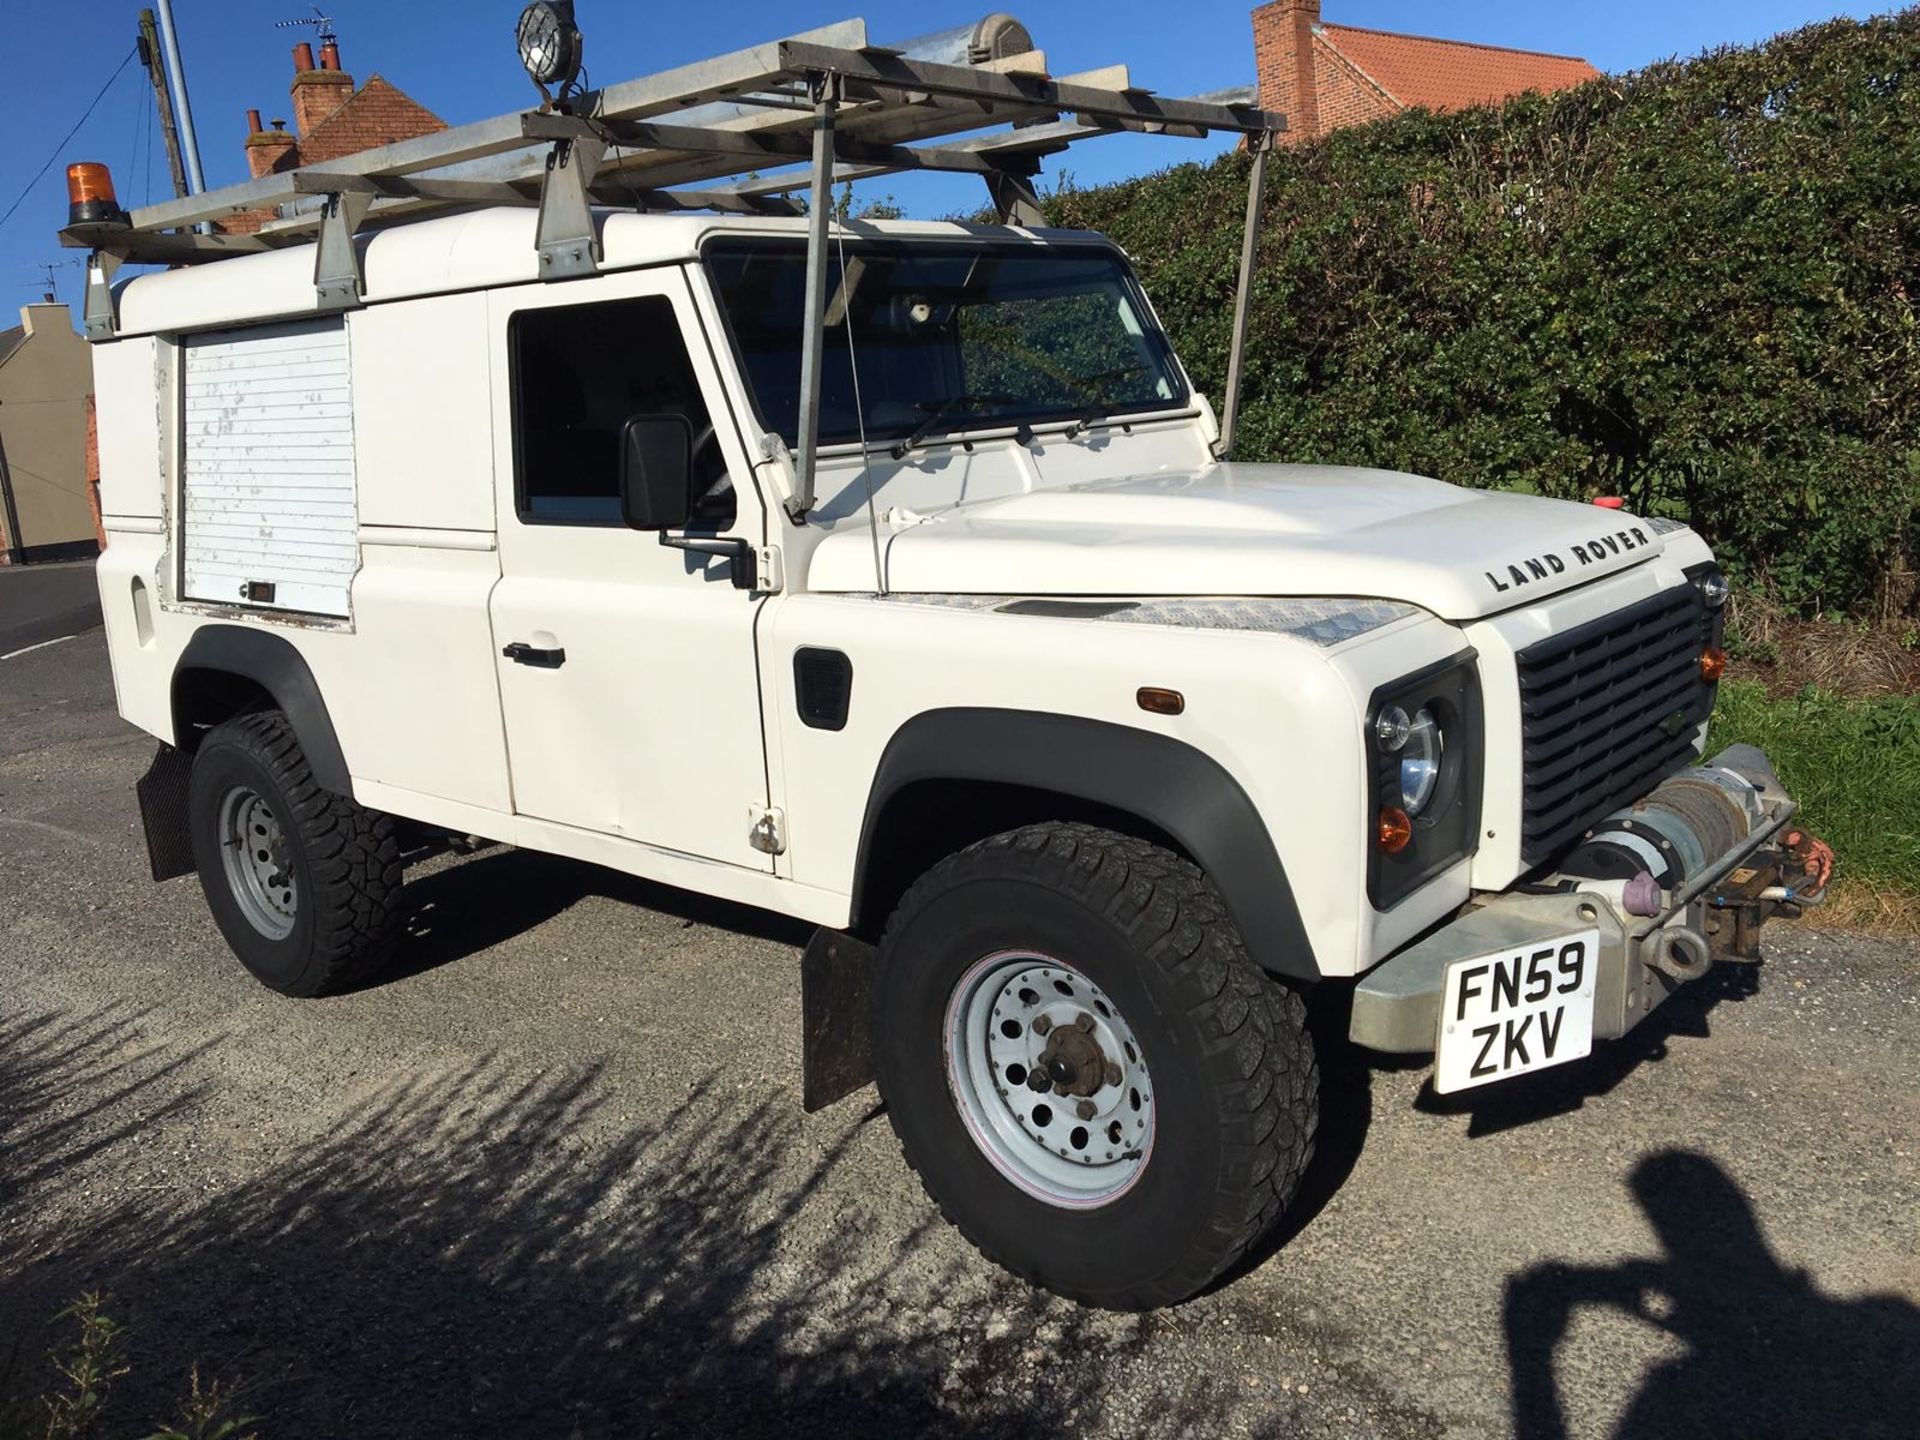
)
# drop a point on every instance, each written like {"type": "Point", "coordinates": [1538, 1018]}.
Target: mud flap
{"type": "Point", "coordinates": [162, 792]}
{"type": "Point", "coordinates": [836, 1000]}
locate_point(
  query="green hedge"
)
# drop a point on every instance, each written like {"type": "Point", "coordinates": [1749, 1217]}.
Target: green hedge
{"type": "Point", "coordinates": [1693, 286]}
{"type": "Point", "coordinates": [1853, 764]}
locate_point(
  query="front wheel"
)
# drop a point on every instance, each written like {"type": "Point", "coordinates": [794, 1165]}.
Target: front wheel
{"type": "Point", "coordinates": [1095, 1082]}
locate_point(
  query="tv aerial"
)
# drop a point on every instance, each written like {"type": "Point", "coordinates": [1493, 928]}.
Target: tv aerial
{"type": "Point", "coordinates": [321, 22]}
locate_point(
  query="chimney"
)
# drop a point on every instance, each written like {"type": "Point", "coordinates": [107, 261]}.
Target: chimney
{"type": "Point", "coordinates": [268, 151]}
{"type": "Point", "coordinates": [317, 92]}
{"type": "Point", "coordinates": [50, 315]}
{"type": "Point", "coordinates": [1283, 56]}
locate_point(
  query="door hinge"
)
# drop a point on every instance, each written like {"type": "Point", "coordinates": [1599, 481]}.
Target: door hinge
{"type": "Point", "coordinates": [768, 833]}
{"type": "Point", "coordinates": [773, 576]}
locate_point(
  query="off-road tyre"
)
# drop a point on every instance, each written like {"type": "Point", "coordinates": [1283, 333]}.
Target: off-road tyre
{"type": "Point", "coordinates": [1228, 1047]}
{"type": "Point", "coordinates": [343, 858]}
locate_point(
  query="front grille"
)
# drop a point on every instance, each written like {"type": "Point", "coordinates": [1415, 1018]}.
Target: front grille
{"type": "Point", "coordinates": [1606, 711]}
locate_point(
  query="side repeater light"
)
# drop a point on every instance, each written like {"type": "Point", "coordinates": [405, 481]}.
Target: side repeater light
{"type": "Point", "coordinates": [1157, 701]}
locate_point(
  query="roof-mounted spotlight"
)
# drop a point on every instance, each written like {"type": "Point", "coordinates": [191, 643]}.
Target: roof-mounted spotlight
{"type": "Point", "coordinates": [550, 45]}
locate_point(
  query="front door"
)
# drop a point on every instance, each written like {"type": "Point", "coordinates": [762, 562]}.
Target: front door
{"type": "Point", "coordinates": [627, 672]}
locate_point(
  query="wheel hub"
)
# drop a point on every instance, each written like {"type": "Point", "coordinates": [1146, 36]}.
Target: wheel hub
{"type": "Point", "coordinates": [1073, 1060]}
{"type": "Point", "coordinates": [258, 862]}
{"type": "Point", "coordinates": [1049, 1079]}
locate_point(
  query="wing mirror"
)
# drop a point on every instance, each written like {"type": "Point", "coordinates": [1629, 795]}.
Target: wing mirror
{"type": "Point", "coordinates": [656, 471]}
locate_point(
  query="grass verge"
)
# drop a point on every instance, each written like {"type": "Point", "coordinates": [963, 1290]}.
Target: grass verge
{"type": "Point", "coordinates": [1854, 766]}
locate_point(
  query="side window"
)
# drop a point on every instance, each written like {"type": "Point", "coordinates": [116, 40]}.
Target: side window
{"type": "Point", "coordinates": [578, 373]}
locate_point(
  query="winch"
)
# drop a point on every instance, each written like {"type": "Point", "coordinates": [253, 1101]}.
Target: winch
{"type": "Point", "coordinates": [1654, 854]}
{"type": "Point", "coordinates": [1671, 834]}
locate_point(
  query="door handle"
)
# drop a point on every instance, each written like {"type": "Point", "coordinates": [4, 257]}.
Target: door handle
{"type": "Point", "coordinates": [522, 653]}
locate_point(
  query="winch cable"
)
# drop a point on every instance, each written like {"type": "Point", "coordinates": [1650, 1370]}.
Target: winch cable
{"type": "Point", "coordinates": [859, 409]}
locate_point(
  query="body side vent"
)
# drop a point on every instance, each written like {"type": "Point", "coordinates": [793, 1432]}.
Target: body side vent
{"type": "Point", "coordinates": [823, 687]}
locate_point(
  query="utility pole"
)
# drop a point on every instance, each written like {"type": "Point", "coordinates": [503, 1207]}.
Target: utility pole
{"type": "Point", "coordinates": [156, 73]}
{"type": "Point", "coordinates": [182, 105]}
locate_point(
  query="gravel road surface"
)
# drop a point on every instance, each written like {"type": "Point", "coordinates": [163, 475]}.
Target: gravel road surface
{"type": "Point", "coordinates": [551, 1178]}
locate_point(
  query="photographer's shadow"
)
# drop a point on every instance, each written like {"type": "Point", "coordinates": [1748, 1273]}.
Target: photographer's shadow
{"type": "Point", "coordinates": [1767, 1354]}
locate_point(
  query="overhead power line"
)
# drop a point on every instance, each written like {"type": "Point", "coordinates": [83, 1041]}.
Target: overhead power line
{"type": "Point", "coordinates": [125, 61]}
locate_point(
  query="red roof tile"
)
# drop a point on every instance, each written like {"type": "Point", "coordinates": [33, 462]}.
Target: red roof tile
{"type": "Point", "coordinates": [376, 114]}
{"type": "Point", "coordinates": [1451, 74]}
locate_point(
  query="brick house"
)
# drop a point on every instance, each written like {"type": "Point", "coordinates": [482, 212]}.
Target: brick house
{"type": "Point", "coordinates": [1323, 77]}
{"type": "Point", "coordinates": [331, 118]}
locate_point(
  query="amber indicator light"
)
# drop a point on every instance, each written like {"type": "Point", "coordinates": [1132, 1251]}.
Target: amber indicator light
{"type": "Point", "coordinates": [1713, 664]}
{"type": "Point", "coordinates": [1396, 830]}
{"type": "Point", "coordinates": [1156, 701]}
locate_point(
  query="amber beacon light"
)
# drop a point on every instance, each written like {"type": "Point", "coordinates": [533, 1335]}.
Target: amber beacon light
{"type": "Point", "coordinates": [90, 197]}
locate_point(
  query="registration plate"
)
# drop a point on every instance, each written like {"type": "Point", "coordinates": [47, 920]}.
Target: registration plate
{"type": "Point", "coordinates": [1513, 1011]}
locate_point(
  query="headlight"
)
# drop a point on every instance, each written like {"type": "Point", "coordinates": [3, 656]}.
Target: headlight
{"type": "Point", "coordinates": [1421, 760]}
{"type": "Point", "coordinates": [1425, 732]}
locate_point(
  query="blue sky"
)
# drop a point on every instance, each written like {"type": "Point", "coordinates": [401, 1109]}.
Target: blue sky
{"type": "Point", "coordinates": [456, 57]}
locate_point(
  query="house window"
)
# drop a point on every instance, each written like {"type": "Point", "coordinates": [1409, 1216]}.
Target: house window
{"type": "Point", "coordinates": [579, 372]}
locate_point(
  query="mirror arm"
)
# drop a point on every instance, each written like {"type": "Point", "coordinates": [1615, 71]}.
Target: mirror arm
{"type": "Point", "coordinates": [745, 574]}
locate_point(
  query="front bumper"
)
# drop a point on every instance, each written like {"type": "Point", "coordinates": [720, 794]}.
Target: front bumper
{"type": "Point", "coordinates": [1714, 913]}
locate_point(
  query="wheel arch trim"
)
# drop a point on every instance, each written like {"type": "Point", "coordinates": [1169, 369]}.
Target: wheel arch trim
{"type": "Point", "coordinates": [1168, 783]}
{"type": "Point", "coordinates": [271, 662]}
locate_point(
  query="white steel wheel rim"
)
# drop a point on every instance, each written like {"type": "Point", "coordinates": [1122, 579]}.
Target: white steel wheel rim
{"type": "Point", "coordinates": [258, 862]}
{"type": "Point", "coordinates": [1003, 1026]}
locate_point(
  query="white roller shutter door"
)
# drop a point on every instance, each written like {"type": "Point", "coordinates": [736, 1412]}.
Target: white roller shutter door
{"type": "Point", "coordinates": [270, 516]}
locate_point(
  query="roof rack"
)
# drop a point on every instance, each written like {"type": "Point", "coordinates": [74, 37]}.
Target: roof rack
{"type": "Point", "coordinates": [699, 137]}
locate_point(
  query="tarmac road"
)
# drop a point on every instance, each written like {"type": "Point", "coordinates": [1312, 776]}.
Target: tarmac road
{"type": "Point", "coordinates": [552, 1178]}
{"type": "Point", "coordinates": [39, 603]}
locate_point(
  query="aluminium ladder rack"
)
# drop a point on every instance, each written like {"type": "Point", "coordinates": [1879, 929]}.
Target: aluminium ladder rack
{"type": "Point", "coordinates": [700, 137]}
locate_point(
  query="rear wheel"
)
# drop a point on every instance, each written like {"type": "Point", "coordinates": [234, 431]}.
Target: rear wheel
{"type": "Point", "coordinates": [1094, 1081]}
{"type": "Point", "coordinates": [304, 884]}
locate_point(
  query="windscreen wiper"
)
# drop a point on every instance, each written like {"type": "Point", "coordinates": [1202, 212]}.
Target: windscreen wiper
{"type": "Point", "coordinates": [938, 411]}
{"type": "Point", "coordinates": [1100, 409]}
{"type": "Point", "coordinates": [1086, 416]}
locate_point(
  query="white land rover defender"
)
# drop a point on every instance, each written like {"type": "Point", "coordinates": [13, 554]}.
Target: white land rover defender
{"type": "Point", "coordinates": [892, 576]}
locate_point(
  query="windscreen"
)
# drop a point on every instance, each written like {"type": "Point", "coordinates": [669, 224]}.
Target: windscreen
{"type": "Point", "coordinates": [946, 336]}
